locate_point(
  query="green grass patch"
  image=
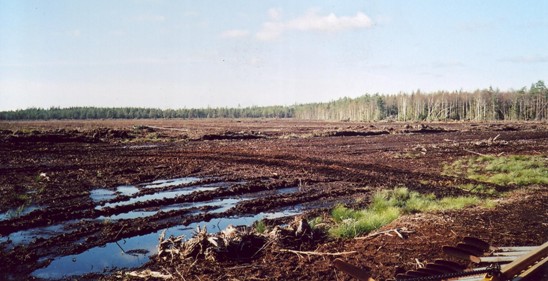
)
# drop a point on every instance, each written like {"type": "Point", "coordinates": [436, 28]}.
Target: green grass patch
{"type": "Point", "coordinates": [360, 222]}
{"type": "Point", "coordinates": [424, 203]}
{"type": "Point", "coordinates": [388, 205]}
{"type": "Point", "coordinates": [520, 170]}
{"type": "Point", "coordinates": [489, 203]}
{"type": "Point", "coordinates": [460, 202]}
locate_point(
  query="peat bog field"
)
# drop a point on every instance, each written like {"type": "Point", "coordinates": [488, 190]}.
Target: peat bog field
{"type": "Point", "coordinates": [91, 198]}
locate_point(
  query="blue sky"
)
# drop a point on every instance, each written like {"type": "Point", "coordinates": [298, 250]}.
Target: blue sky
{"type": "Point", "coordinates": [177, 54]}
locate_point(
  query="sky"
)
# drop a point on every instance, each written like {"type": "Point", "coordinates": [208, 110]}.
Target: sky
{"type": "Point", "coordinates": [194, 54]}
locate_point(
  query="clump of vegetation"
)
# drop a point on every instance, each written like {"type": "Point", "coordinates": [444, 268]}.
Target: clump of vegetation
{"type": "Point", "coordinates": [260, 226]}
{"type": "Point", "coordinates": [388, 205]}
{"type": "Point", "coordinates": [351, 223]}
{"type": "Point", "coordinates": [520, 170]}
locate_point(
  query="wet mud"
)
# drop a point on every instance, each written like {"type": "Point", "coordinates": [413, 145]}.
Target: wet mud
{"type": "Point", "coordinates": [92, 197]}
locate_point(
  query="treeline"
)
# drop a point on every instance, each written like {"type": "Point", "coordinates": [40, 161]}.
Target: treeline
{"type": "Point", "coordinates": [145, 113]}
{"type": "Point", "coordinates": [488, 104]}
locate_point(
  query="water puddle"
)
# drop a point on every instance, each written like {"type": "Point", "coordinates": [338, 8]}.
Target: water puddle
{"type": "Point", "coordinates": [219, 205]}
{"type": "Point", "coordinates": [100, 194]}
{"type": "Point", "coordinates": [127, 190]}
{"type": "Point", "coordinates": [287, 190]}
{"type": "Point", "coordinates": [21, 211]}
{"type": "Point", "coordinates": [135, 251]}
{"type": "Point", "coordinates": [25, 237]}
{"type": "Point", "coordinates": [171, 182]}
{"type": "Point", "coordinates": [99, 259]}
{"type": "Point", "coordinates": [129, 215]}
{"type": "Point", "coordinates": [160, 195]}
{"type": "Point", "coordinates": [271, 192]}
{"type": "Point", "coordinates": [216, 206]}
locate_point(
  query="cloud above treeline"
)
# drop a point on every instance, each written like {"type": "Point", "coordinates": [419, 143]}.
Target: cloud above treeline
{"type": "Point", "coordinates": [275, 27]}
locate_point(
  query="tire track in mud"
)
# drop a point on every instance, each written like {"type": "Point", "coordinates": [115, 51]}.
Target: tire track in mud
{"type": "Point", "coordinates": [89, 234]}
{"type": "Point", "coordinates": [361, 173]}
{"type": "Point", "coordinates": [87, 210]}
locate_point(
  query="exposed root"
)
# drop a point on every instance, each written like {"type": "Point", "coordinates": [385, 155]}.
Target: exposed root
{"type": "Point", "coordinates": [233, 243]}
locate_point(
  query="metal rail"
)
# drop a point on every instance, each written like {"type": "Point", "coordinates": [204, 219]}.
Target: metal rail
{"type": "Point", "coordinates": [534, 259]}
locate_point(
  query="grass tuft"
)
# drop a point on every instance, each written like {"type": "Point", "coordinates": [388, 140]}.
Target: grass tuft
{"type": "Point", "coordinates": [520, 170]}
{"type": "Point", "coordinates": [260, 226]}
{"type": "Point", "coordinates": [460, 202]}
{"type": "Point", "coordinates": [351, 223]}
{"type": "Point", "coordinates": [388, 205]}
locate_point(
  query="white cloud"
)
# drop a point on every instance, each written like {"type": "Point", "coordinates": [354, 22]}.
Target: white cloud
{"type": "Point", "coordinates": [312, 21]}
{"type": "Point", "coordinates": [234, 33]}
{"type": "Point", "coordinates": [270, 31]}
{"type": "Point", "coordinates": [330, 23]}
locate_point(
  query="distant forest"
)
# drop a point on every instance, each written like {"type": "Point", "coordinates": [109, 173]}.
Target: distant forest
{"type": "Point", "coordinates": [488, 104]}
